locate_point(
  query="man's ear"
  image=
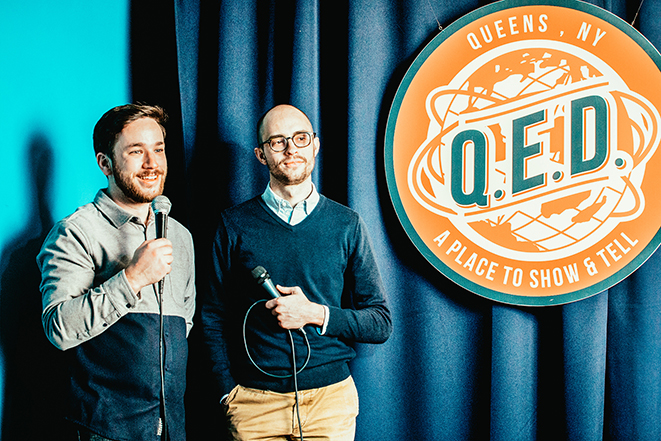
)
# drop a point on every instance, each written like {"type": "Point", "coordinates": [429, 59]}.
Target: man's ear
{"type": "Point", "coordinates": [105, 163]}
{"type": "Point", "coordinates": [259, 153]}
{"type": "Point", "coordinates": [316, 144]}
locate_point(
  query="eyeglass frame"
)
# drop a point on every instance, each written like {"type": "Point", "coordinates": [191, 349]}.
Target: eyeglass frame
{"type": "Point", "coordinates": [287, 138]}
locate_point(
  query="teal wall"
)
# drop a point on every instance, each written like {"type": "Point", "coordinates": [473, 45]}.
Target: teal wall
{"type": "Point", "coordinates": [62, 64]}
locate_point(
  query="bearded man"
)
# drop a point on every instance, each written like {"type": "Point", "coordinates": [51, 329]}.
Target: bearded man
{"type": "Point", "coordinates": [100, 267]}
{"type": "Point", "coordinates": [273, 383]}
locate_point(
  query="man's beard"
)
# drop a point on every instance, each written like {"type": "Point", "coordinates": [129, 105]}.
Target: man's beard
{"type": "Point", "coordinates": [291, 179]}
{"type": "Point", "coordinates": [132, 191]}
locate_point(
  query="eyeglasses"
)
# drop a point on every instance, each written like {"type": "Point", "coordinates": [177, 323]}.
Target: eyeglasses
{"type": "Point", "coordinates": [280, 143]}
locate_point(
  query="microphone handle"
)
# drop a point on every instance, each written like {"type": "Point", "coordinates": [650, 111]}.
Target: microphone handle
{"type": "Point", "coordinates": [270, 288]}
{"type": "Point", "coordinates": [161, 232]}
{"type": "Point", "coordinates": [161, 225]}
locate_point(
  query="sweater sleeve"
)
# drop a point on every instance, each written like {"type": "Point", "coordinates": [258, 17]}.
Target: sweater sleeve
{"type": "Point", "coordinates": [364, 316]}
{"type": "Point", "coordinates": [214, 315]}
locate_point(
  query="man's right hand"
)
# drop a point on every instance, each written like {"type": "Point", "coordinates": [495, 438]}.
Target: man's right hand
{"type": "Point", "coordinates": [151, 262]}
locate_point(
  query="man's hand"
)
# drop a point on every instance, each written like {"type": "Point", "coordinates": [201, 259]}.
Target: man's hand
{"type": "Point", "coordinates": [293, 309]}
{"type": "Point", "coordinates": [151, 262]}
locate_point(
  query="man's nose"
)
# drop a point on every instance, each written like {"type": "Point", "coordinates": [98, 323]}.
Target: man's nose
{"type": "Point", "coordinates": [150, 160]}
{"type": "Point", "coordinates": [291, 147]}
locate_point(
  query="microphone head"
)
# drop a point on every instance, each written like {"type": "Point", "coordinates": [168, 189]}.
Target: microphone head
{"type": "Point", "coordinates": [260, 274]}
{"type": "Point", "coordinates": [161, 205]}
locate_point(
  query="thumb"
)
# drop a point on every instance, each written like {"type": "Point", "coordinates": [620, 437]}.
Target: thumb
{"type": "Point", "coordinates": [286, 290]}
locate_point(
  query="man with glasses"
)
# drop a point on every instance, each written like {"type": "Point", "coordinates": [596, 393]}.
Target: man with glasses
{"type": "Point", "coordinates": [281, 363]}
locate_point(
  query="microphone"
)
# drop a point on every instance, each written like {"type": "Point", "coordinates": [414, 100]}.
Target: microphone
{"type": "Point", "coordinates": [263, 278]}
{"type": "Point", "coordinates": [161, 206]}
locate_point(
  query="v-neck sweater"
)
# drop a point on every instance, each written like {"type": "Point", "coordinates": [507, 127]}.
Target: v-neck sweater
{"type": "Point", "coordinates": [329, 256]}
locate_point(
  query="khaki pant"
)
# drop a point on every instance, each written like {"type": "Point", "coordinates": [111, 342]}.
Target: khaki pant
{"type": "Point", "coordinates": [328, 413]}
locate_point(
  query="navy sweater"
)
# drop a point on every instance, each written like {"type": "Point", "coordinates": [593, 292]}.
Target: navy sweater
{"type": "Point", "coordinates": [329, 256]}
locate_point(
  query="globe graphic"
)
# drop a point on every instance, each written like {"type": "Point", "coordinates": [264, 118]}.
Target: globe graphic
{"type": "Point", "coordinates": [567, 212]}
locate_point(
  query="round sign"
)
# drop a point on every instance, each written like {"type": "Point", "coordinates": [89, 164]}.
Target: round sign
{"type": "Point", "coordinates": [521, 151]}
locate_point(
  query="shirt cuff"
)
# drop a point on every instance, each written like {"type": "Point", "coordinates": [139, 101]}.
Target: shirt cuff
{"type": "Point", "coordinates": [322, 329]}
{"type": "Point", "coordinates": [137, 295]}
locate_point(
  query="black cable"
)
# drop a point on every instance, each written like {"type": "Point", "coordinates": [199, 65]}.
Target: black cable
{"type": "Point", "coordinates": [245, 344]}
{"type": "Point", "coordinates": [161, 350]}
{"type": "Point", "coordinates": [293, 361]}
{"type": "Point", "coordinates": [295, 371]}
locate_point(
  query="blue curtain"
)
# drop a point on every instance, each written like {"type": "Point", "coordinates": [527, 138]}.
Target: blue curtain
{"type": "Point", "coordinates": [458, 367]}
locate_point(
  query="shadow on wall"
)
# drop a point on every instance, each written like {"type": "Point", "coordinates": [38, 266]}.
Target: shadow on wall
{"type": "Point", "coordinates": [34, 377]}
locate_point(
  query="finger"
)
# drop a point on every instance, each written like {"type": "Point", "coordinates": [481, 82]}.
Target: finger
{"type": "Point", "coordinates": [287, 290]}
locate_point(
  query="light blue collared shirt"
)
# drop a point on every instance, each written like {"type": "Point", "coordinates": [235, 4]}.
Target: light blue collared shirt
{"type": "Point", "coordinates": [284, 210]}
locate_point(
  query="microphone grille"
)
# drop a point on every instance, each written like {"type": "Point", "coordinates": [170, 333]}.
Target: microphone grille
{"type": "Point", "coordinates": [161, 204]}
{"type": "Point", "coordinates": [259, 272]}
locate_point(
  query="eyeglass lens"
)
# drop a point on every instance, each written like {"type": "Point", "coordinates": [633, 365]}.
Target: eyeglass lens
{"type": "Point", "coordinates": [300, 139]}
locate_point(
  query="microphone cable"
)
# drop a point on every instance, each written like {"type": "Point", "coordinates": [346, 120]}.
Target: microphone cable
{"type": "Point", "coordinates": [163, 427]}
{"type": "Point", "coordinates": [160, 206]}
{"type": "Point", "coordinates": [295, 371]}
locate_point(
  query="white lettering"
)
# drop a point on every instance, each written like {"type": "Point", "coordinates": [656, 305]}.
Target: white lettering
{"type": "Point", "coordinates": [601, 254]}
{"type": "Point", "coordinates": [632, 243]}
{"type": "Point", "coordinates": [557, 277]}
{"type": "Point", "coordinates": [598, 37]}
{"type": "Point", "coordinates": [456, 259]}
{"type": "Point", "coordinates": [584, 31]}
{"type": "Point", "coordinates": [507, 273]}
{"type": "Point", "coordinates": [571, 272]}
{"type": "Point", "coordinates": [483, 262]}
{"type": "Point", "coordinates": [518, 277]}
{"type": "Point", "coordinates": [534, 283]}
{"type": "Point", "coordinates": [502, 30]}
{"type": "Point", "coordinates": [456, 246]}
{"type": "Point", "coordinates": [513, 30]}
{"type": "Point", "coordinates": [441, 238]}
{"type": "Point", "coordinates": [590, 266]}
{"type": "Point", "coordinates": [528, 23]}
{"type": "Point", "coordinates": [546, 278]}
{"type": "Point", "coordinates": [499, 29]}
{"type": "Point", "coordinates": [470, 263]}
{"type": "Point", "coordinates": [542, 23]}
{"type": "Point", "coordinates": [492, 269]}
{"type": "Point", "coordinates": [614, 254]}
{"type": "Point", "coordinates": [472, 40]}
{"type": "Point", "coordinates": [489, 38]}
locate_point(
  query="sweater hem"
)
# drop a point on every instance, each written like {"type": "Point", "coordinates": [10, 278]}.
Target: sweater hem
{"type": "Point", "coordinates": [309, 378]}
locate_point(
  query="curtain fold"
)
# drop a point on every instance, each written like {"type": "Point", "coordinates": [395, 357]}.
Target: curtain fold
{"type": "Point", "coordinates": [584, 340]}
{"type": "Point", "coordinates": [457, 367]}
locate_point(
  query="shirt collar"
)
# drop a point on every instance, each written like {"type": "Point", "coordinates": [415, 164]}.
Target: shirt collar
{"type": "Point", "coordinates": [285, 211]}
{"type": "Point", "coordinates": [113, 212]}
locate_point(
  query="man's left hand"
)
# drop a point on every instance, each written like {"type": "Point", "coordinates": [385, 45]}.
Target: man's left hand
{"type": "Point", "coordinates": [293, 309]}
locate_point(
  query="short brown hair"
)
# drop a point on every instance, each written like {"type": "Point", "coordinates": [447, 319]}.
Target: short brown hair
{"type": "Point", "coordinates": [111, 124]}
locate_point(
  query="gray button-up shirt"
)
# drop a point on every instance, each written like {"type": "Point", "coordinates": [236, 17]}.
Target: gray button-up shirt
{"type": "Point", "coordinates": [84, 288]}
{"type": "Point", "coordinates": [112, 333]}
